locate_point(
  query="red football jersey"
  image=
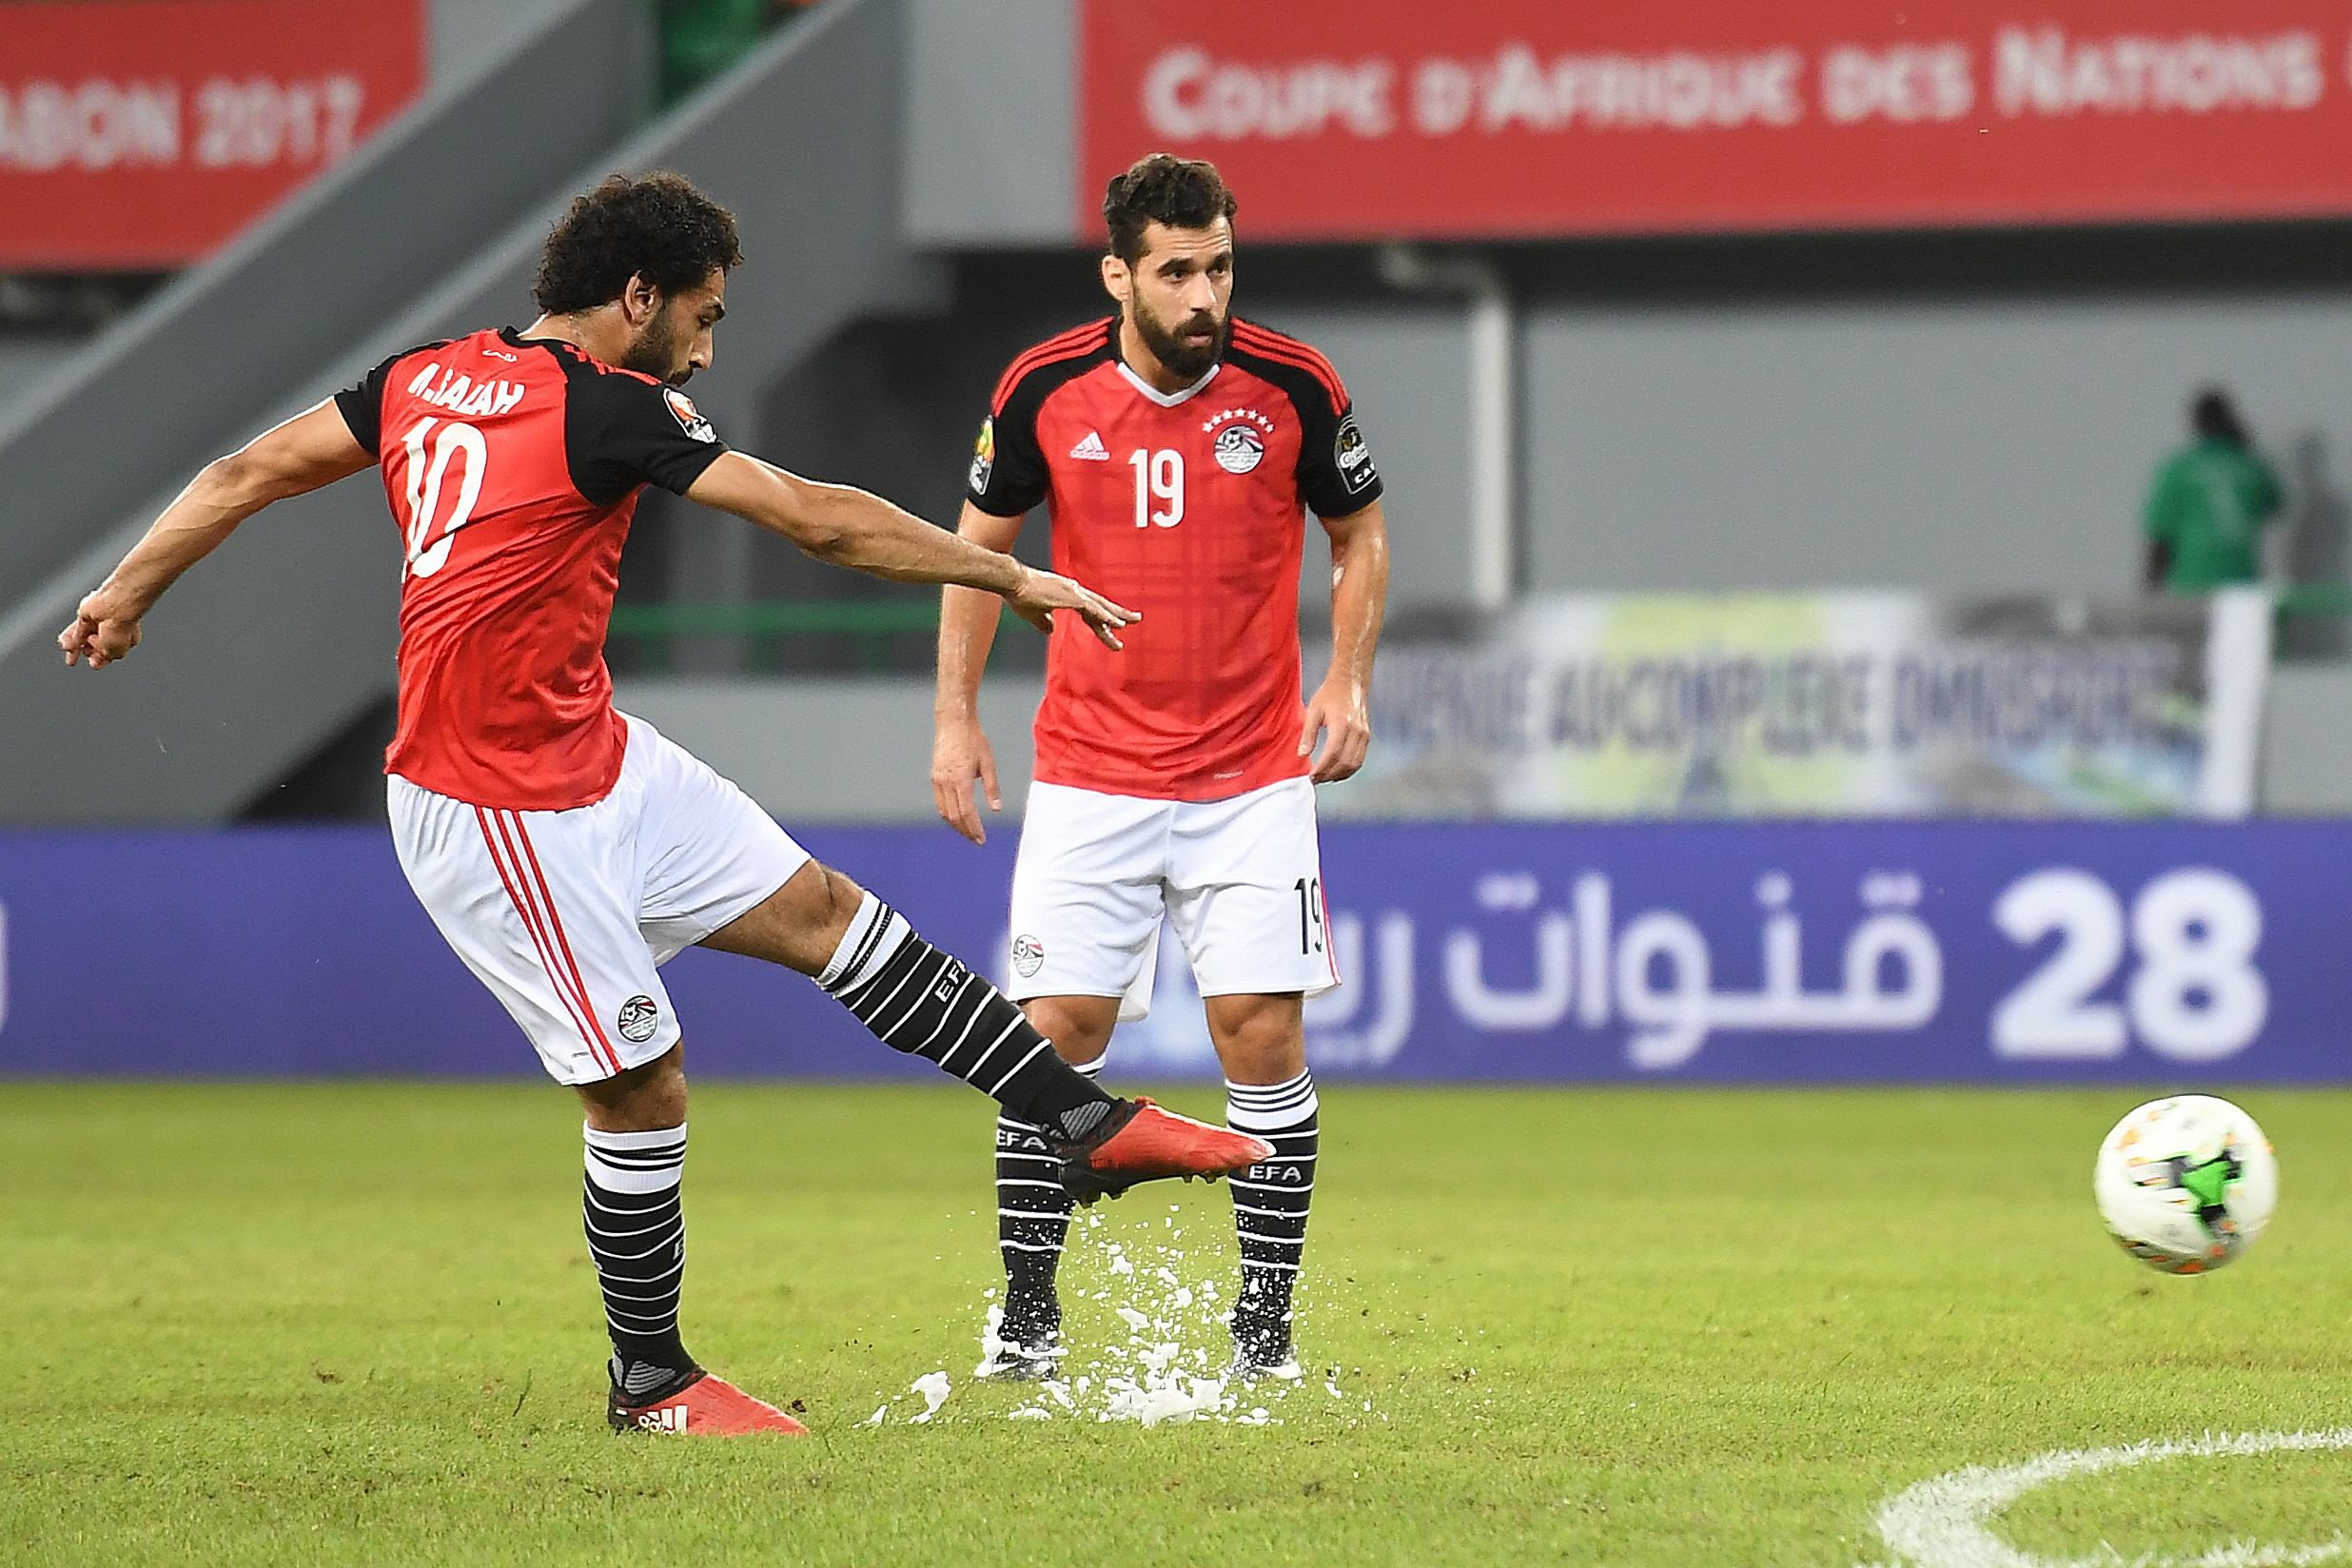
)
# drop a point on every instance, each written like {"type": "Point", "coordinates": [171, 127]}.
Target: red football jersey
{"type": "Point", "coordinates": [513, 466]}
{"type": "Point", "coordinates": [1189, 507]}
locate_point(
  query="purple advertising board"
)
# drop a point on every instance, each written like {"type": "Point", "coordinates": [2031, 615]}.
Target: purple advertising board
{"type": "Point", "coordinates": [2159, 952]}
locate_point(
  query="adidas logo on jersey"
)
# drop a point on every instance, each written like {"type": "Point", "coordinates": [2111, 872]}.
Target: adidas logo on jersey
{"type": "Point", "coordinates": [1091, 448]}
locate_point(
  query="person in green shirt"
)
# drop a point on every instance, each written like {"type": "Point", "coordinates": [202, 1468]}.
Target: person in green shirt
{"type": "Point", "coordinates": [2208, 505]}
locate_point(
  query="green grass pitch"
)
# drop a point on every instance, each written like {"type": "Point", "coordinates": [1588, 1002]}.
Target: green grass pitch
{"type": "Point", "coordinates": [355, 1325]}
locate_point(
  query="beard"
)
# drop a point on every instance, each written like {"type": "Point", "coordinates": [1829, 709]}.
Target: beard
{"type": "Point", "coordinates": [655, 353]}
{"type": "Point", "coordinates": [1186, 358]}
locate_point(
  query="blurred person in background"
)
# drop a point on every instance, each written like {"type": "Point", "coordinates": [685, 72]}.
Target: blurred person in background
{"type": "Point", "coordinates": [2208, 505]}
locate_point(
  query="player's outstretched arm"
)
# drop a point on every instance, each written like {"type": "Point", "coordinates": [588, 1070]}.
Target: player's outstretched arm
{"type": "Point", "coordinates": [960, 751]}
{"type": "Point", "coordinates": [1341, 708]}
{"type": "Point", "coordinates": [851, 528]}
{"type": "Point", "coordinates": [313, 449]}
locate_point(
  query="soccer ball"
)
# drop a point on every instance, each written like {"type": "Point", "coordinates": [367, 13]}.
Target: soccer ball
{"type": "Point", "coordinates": [2186, 1184]}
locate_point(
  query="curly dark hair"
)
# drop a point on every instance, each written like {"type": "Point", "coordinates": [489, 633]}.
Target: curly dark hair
{"type": "Point", "coordinates": [658, 225]}
{"type": "Point", "coordinates": [1180, 192]}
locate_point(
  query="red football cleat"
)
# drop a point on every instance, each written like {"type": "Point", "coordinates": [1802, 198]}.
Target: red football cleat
{"type": "Point", "coordinates": [708, 1406]}
{"type": "Point", "coordinates": [1149, 1143]}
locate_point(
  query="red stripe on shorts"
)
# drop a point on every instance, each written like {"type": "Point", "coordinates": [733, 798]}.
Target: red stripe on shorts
{"type": "Point", "coordinates": [547, 895]}
{"type": "Point", "coordinates": [539, 937]}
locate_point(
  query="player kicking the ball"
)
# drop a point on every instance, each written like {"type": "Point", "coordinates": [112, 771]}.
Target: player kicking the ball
{"type": "Point", "coordinates": [1177, 449]}
{"type": "Point", "coordinates": [567, 850]}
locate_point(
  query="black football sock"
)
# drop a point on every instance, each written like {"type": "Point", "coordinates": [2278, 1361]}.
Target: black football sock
{"type": "Point", "coordinates": [1033, 1221]}
{"type": "Point", "coordinates": [1270, 1200]}
{"type": "Point", "coordinates": [919, 1000]}
{"type": "Point", "coordinates": [637, 1234]}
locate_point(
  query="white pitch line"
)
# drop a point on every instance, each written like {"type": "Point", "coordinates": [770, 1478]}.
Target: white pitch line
{"type": "Point", "coordinates": [1947, 1522]}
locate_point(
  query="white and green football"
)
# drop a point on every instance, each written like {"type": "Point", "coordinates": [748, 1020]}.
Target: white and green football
{"type": "Point", "coordinates": [2186, 1184]}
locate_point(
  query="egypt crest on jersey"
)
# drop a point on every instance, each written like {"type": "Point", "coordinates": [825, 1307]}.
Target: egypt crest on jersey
{"type": "Point", "coordinates": [1189, 506]}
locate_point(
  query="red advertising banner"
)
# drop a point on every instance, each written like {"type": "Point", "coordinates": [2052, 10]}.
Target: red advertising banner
{"type": "Point", "coordinates": [143, 133]}
{"type": "Point", "coordinates": [1363, 119]}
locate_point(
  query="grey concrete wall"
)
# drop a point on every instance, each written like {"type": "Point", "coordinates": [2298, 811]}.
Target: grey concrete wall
{"type": "Point", "coordinates": [464, 36]}
{"type": "Point", "coordinates": [1407, 367]}
{"type": "Point", "coordinates": [1975, 447]}
{"type": "Point", "coordinates": [990, 136]}
{"type": "Point", "coordinates": [2307, 741]}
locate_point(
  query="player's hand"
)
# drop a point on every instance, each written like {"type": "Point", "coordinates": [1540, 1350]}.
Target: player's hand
{"type": "Point", "coordinates": [1337, 711]}
{"type": "Point", "coordinates": [960, 754]}
{"type": "Point", "coordinates": [105, 629]}
{"type": "Point", "coordinates": [1042, 592]}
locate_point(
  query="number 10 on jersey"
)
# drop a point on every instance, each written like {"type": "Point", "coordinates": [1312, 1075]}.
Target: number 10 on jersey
{"type": "Point", "coordinates": [1159, 487]}
{"type": "Point", "coordinates": [427, 480]}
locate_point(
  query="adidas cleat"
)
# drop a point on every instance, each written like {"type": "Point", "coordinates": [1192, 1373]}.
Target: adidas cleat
{"type": "Point", "coordinates": [1143, 1142]}
{"type": "Point", "coordinates": [704, 1406]}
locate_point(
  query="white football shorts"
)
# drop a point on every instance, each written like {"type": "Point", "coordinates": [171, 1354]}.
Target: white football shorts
{"type": "Point", "coordinates": [568, 915]}
{"type": "Point", "coordinates": [1241, 879]}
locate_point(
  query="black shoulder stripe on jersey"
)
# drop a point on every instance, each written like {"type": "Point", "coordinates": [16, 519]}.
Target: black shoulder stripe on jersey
{"type": "Point", "coordinates": [618, 432]}
{"type": "Point", "coordinates": [1306, 389]}
{"type": "Point", "coordinates": [1026, 385]}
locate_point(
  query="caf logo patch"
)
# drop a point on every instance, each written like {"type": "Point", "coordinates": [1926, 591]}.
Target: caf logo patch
{"type": "Point", "coordinates": [1239, 449]}
{"type": "Point", "coordinates": [1353, 456]}
{"type": "Point", "coordinates": [689, 418]}
{"type": "Point", "coordinates": [984, 455]}
{"type": "Point", "coordinates": [1028, 955]}
{"type": "Point", "coordinates": [639, 1017]}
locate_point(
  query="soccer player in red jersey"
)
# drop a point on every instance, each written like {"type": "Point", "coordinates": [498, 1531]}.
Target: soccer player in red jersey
{"type": "Point", "coordinates": [567, 850]}
{"type": "Point", "coordinates": [1178, 450]}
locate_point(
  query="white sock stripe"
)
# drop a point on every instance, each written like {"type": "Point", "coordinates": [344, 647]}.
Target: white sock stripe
{"type": "Point", "coordinates": [621, 1142]}
{"type": "Point", "coordinates": [1030, 1055]}
{"type": "Point", "coordinates": [947, 1015]}
{"type": "Point", "coordinates": [1058, 1215]}
{"type": "Point", "coordinates": [634, 1184]}
{"type": "Point", "coordinates": [1044, 1159]}
{"type": "Point", "coordinates": [1022, 1181]}
{"type": "Point", "coordinates": [1288, 1087]}
{"type": "Point", "coordinates": [1031, 1247]}
{"type": "Point", "coordinates": [633, 1163]}
{"type": "Point", "coordinates": [848, 961]}
{"type": "Point", "coordinates": [949, 1055]}
{"type": "Point", "coordinates": [595, 1197]}
{"type": "Point", "coordinates": [605, 1255]}
{"type": "Point", "coordinates": [1092, 1070]}
{"type": "Point", "coordinates": [1270, 1186]}
{"type": "Point", "coordinates": [1271, 1213]}
{"type": "Point", "coordinates": [1268, 1124]}
{"type": "Point", "coordinates": [909, 978]}
{"type": "Point", "coordinates": [657, 1297]}
{"type": "Point", "coordinates": [664, 1224]}
{"type": "Point", "coordinates": [645, 1323]}
{"type": "Point", "coordinates": [1249, 1263]}
{"type": "Point", "coordinates": [1270, 1240]}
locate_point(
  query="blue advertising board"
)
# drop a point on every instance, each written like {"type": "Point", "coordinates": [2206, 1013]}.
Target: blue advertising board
{"type": "Point", "coordinates": [2160, 953]}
